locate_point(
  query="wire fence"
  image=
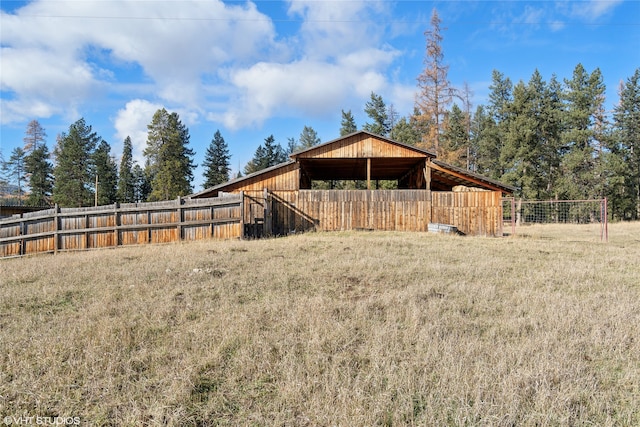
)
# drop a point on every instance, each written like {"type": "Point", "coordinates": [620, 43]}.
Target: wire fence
{"type": "Point", "coordinates": [525, 217]}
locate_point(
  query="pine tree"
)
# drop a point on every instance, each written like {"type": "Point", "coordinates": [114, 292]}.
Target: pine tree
{"type": "Point", "coordinates": [308, 138]}
{"type": "Point", "coordinates": [584, 97]}
{"type": "Point", "coordinates": [348, 123]}
{"type": "Point", "coordinates": [627, 127]}
{"type": "Point", "coordinates": [40, 171]}
{"type": "Point", "coordinates": [292, 145]}
{"type": "Point", "coordinates": [435, 92]}
{"type": "Point", "coordinates": [217, 165]}
{"type": "Point", "coordinates": [34, 136]}
{"type": "Point", "coordinates": [4, 172]}
{"type": "Point", "coordinates": [487, 144]}
{"type": "Point", "coordinates": [495, 127]}
{"type": "Point", "coordinates": [16, 169]}
{"type": "Point", "coordinates": [142, 184]}
{"type": "Point", "coordinates": [169, 158]}
{"type": "Point", "coordinates": [455, 139]}
{"type": "Point", "coordinates": [74, 171]}
{"type": "Point", "coordinates": [126, 178]}
{"type": "Point", "coordinates": [405, 131]}
{"type": "Point", "coordinates": [107, 174]}
{"type": "Point", "coordinates": [377, 111]}
{"type": "Point", "coordinates": [266, 156]}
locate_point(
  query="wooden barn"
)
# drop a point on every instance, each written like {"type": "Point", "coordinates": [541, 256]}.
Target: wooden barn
{"type": "Point", "coordinates": [281, 199]}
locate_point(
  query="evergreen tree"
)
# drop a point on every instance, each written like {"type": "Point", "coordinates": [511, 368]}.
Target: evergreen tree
{"type": "Point", "coordinates": [40, 172]}
{"type": "Point", "coordinates": [455, 138]}
{"type": "Point", "coordinates": [435, 93]}
{"type": "Point", "coordinates": [348, 123]}
{"type": "Point", "coordinates": [74, 170]}
{"type": "Point", "coordinates": [405, 131]}
{"type": "Point", "coordinates": [308, 138]}
{"type": "Point", "coordinates": [126, 178]}
{"type": "Point", "coordinates": [494, 127]}
{"type": "Point", "coordinates": [107, 174]}
{"type": "Point", "coordinates": [392, 115]}
{"type": "Point", "coordinates": [627, 127]}
{"type": "Point", "coordinates": [216, 162]}
{"type": "Point", "coordinates": [266, 156]}
{"type": "Point", "coordinates": [292, 145]}
{"type": "Point", "coordinates": [584, 97]}
{"type": "Point", "coordinates": [169, 157]}
{"type": "Point", "coordinates": [4, 173]}
{"type": "Point", "coordinates": [16, 169]}
{"type": "Point", "coordinates": [486, 143]}
{"type": "Point", "coordinates": [377, 111]}
{"type": "Point", "coordinates": [531, 138]}
{"type": "Point", "coordinates": [142, 184]}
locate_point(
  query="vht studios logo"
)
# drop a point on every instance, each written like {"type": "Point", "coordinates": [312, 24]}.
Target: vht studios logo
{"type": "Point", "coordinates": [42, 421]}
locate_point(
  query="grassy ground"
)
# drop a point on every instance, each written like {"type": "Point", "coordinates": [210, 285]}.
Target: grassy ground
{"type": "Point", "coordinates": [329, 329]}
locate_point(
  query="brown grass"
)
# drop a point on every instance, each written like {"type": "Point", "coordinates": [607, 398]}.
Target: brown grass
{"type": "Point", "coordinates": [329, 329]}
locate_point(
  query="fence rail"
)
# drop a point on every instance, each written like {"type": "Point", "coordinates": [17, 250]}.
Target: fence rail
{"type": "Point", "coordinates": [61, 229]}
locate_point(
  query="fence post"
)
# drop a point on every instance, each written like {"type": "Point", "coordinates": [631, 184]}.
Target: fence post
{"type": "Point", "coordinates": [179, 201]}
{"type": "Point", "coordinates": [56, 228]}
{"type": "Point", "coordinates": [605, 219]}
{"type": "Point", "coordinates": [21, 233]}
{"type": "Point", "coordinates": [116, 230]}
{"type": "Point", "coordinates": [513, 216]}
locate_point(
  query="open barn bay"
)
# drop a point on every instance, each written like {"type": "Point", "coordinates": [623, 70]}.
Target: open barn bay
{"type": "Point", "coordinates": [354, 328]}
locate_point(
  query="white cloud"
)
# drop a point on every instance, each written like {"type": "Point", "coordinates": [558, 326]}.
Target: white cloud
{"type": "Point", "coordinates": [206, 58]}
{"type": "Point", "coordinates": [305, 87]}
{"type": "Point", "coordinates": [47, 47]}
{"type": "Point", "coordinates": [132, 121]}
{"type": "Point", "coordinates": [593, 10]}
{"type": "Point", "coordinates": [333, 28]}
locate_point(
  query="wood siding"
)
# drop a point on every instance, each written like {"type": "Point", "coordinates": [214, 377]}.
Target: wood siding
{"type": "Point", "coordinates": [472, 212]}
{"type": "Point", "coordinates": [359, 146]}
{"type": "Point", "coordinates": [286, 177]}
{"type": "Point", "coordinates": [477, 213]}
{"type": "Point", "coordinates": [338, 210]}
{"type": "Point", "coordinates": [127, 224]}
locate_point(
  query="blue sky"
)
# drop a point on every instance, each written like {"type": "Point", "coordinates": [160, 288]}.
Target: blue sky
{"type": "Point", "coordinates": [252, 69]}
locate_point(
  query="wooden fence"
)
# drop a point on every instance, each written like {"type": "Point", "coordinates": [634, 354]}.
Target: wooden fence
{"type": "Point", "coordinates": [477, 213]}
{"type": "Point", "coordinates": [63, 229]}
{"type": "Point", "coordinates": [249, 214]}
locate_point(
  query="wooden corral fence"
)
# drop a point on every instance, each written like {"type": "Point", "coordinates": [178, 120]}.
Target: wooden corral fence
{"type": "Point", "coordinates": [477, 213]}
{"type": "Point", "coordinates": [64, 229]}
{"type": "Point", "coordinates": [285, 212]}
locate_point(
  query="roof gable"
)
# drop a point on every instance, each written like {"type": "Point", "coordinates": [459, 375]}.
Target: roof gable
{"type": "Point", "coordinates": [359, 145]}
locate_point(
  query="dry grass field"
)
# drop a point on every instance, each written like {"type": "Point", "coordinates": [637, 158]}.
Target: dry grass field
{"type": "Point", "coordinates": [335, 329]}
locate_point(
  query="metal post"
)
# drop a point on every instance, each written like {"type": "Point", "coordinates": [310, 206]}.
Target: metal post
{"type": "Point", "coordinates": [513, 216]}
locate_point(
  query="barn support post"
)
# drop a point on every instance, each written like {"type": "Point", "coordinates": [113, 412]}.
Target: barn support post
{"type": "Point", "coordinates": [241, 215]}
{"type": "Point", "coordinates": [368, 173]}
{"type": "Point", "coordinates": [268, 218]}
{"type": "Point", "coordinates": [427, 174]}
